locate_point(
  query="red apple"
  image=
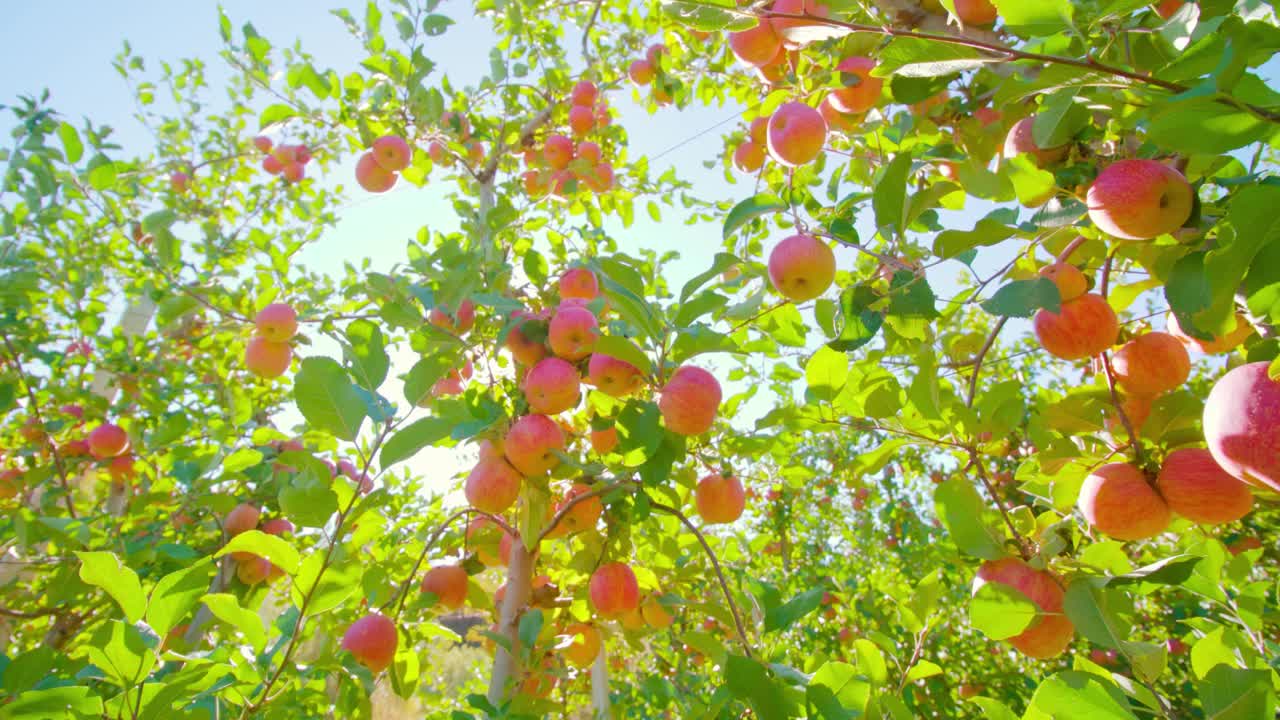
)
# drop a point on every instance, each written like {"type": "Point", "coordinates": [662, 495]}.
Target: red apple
{"type": "Point", "coordinates": [975, 12]}
{"type": "Point", "coordinates": [802, 267]}
{"type": "Point", "coordinates": [277, 526]}
{"type": "Point", "coordinates": [277, 322]}
{"type": "Point", "coordinates": [1168, 8]}
{"type": "Point", "coordinates": [796, 33]}
{"type": "Point", "coordinates": [391, 153]}
{"type": "Point", "coordinates": [573, 332]}
{"type": "Point", "coordinates": [583, 514]}
{"type": "Point", "coordinates": [458, 322]}
{"type": "Point", "coordinates": [492, 486]}
{"type": "Point", "coordinates": [448, 583]}
{"type": "Point", "coordinates": [1197, 488]}
{"type": "Point", "coordinates": [108, 441]}
{"type": "Point", "coordinates": [690, 401]}
{"type": "Point", "coordinates": [613, 590]}
{"type": "Point", "coordinates": [584, 93]}
{"type": "Point", "coordinates": [836, 120]}
{"type": "Point", "coordinates": [1085, 327]}
{"type": "Point", "coordinates": [1021, 140]}
{"type": "Point", "coordinates": [525, 351]}
{"type": "Point", "coordinates": [1151, 364]}
{"type": "Point", "coordinates": [604, 441]}
{"type": "Point", "coordinates": [1139, 199]}
{"type": "Point", "coordinates": [267, 359]}
{"type": "Point", "coordinates": [584, 648]}
{"type": "Point", "coordinates": [1070, 281]}
{"type": "Point", "coordinates": [372, 641]}
{"type": "Point", "coordinates": [558, 151]}
{"type": "Point", "coordinates": [1051, 632]}
{"type": "Point", "coordinates": [180, 182]}
{"type": "Point", "coordinates": [531, 443]}
{"type": "Point", "coordinates": [1118, 501]}
{"type": "Point", "coordinates": [1242, 425]}
{"type": "Point", "coordinates": [641, 72]}
{"type": "Point", "coordinates": [796, 134]}
{"type": "Point", "coordinates": [579, 282]}
{"type": "Point", "coordinates": [756, 46]}
{"type": "Point", "coordinates": [859, 91]}
{"type": "Point", "coordinates": [748, 157]}
{"type": "Point", "coordinates": [552, 386]}
{"type": "Point", "coordinates": [263, 143]}
{"type": "Point", "coordinates": [373, 177]}
{"type": "Point", "coordinates": [613, 376]}
{"type": "Point", "coordinates": [241, 518]}
{"type": "Point", "coordinates": [720, 498]}
{"type": "Point", "coordinates": [581, 119]}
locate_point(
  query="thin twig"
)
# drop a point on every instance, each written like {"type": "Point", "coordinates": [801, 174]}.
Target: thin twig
{"type": "Point", "coordinates": [569, 505]}
{"type": "Point", "coordinates": [1024, 546]}
{"type": "Point", "coordinates": [977, 360]}
{"type": "Point", "coordinates": [1111, 374]}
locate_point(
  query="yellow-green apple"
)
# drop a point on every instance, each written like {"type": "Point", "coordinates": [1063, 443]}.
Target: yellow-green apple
{"type": "Point", "coordinates": [492, 486]}
{"type": "Point", "coordinates": [796, 134]}
{"type": "Point", "coordinates": [801, 267]}
{"type": "Point", "coordinates": [1139, 199]}
{"type": "Point", "coordinates": [579, 283]}
{"type": "Point", "coordinates": [531, 444]}
{"type": "Point", "coordinates": [975, 12]}
{"type": "Point", "coordinates": [392, 153]}
{"type": "Point", "coordinates": [584, 513]}
{"type": "Point", "coordinates": [1083, 328]}
{"type": "Point", "coordinates": [241, 518]}
{"type": "Point", "coordinates": [613, 376]}
{"type": "Point", "coordinates": [720, 498]}
{"type": "Point", "coordinates": [613, 590]}
{"type": "Point", "coordinates": [551, 386]}
{"type": "Point", "coordinates": [604, 440]}
{"type": "Point", "coordinates": [1151, 364]}
{"type": "Point", "coordinates": [1217, 343]}
{"type": "Point", "coordinates": [1197, 488]}
{"type": "Point", "coordinates": [756, 46]}
{"type": "Point", "coordinates": [558, 151]}
{"type": "Point", "coordinates": [277, 322]}
{"type": "Point", "coordinates": [1021, 140]}
{"type": "Point", "coordinates": [373, 177]}
{"type": "Point", "coordinates": [448, 583]}
{"type": "Point", "coordinates": [1118, 501]}
{"type": "Point", "coordinates": [585, 644]}
{"type": "Point", "coordinates": [859, 91]}
{"type": "Point", "coordinates": [458, 322]}
{"type": "Point", "coordinates": [108, 440]}
{"type": "Point", "coordinates": [1050, 633]}
{"type": "Point", "coordinates": [573, 332]}
{"type": "Point", "coordinates": [655, 614]}
{"type": "Point", "coordinates": [748, 157]}
{"type": "Point", "coordinates": [267, 359]}
{"type": "Point", "coordinates": [1242, 425]}
{"type": "Point", "coordinates": [690, 401]}
{"type": "Point", "coordinates": [640, 72]}
{"type": "Point", "coordinates": [372, 641]}
{"type": "Point", "coordinates": [1070, 281]}
{"type": "Point", "coordinates": [584, 92]}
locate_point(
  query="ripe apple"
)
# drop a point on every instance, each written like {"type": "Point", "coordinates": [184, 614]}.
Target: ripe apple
{"type": "Point", "coordinates": [1151, 364]}
{"type": "Point", "coordinates": [756, 46]}
{"type": "Point", "coordinates": [525, 351]}
{"type": "Point", "coordinates": [581, 119]}
{"type": "Point", "coordinates": [457, 124]}
{"type": "Point", "coordinates": [655, 614]}
{"type": "Point", "coordinates": [802, 267]}
{"type": "Point", "coordinates": [836, 120]}
{"type": "Point", "coordinates": [373, 177]}
{"type": "Point", "coordinates": [448, 583]}
{"type": "Point", "coordinates": [966, 691]}
{"type": "Point", "coordinates": [1242, 425]}
{"type": "Point", "coordinates": [927, 107]}
{"type": "Point", "coordinates": [604, 441]}
{"type": "Point", "coordinates": [613, 589]}
{"type": "Point", "coordinates": [1139, 199]}
{"type": "Point", "coordinates": [590, 153]}
{"type": "Point", "coordinates": [1244, 544]}
{"type": "Point", "coordinates": [458, 322]}
{"type": "Point", "coordinates": [600, 178]}
{"type": "Point", "coordinates": [859, 91]}
{"type": "Point", "coordinates": [1051, 632]}
{"type": "Point", "coordinates": [75, 449]}
{"type": "Point", "coordinates": [293, 172]}
{"type": "Point", "coordinates": [1217, 344]}
{"type": "Point", "coordinates": [180, 182]}
{"type": "Point", "coordinates": [121, 468]}
{"type": "Point", "coordinates": [108, 441]}
{"type": "Point", "coordinates": [1085, 327]}
{"type": "Point", "coordinates": [1174, 645]}
{"type": "Point", "coordinates": [241, 518]}
{"type": "Point", "coordinates": [573, 332]}
{"type": "Point", "coordinates": [372, 641]}
{"type": "Point", "coordinates": [579, 282]}
{"type": "Point", "coordinates": [1136, 407]}
{"type": "Point", "coordinates": [654, 53]}
{"type": "Point", "coordinates": [748, 157]}
{"type": "Point", "coordinates": [584, 648]}
{"type": "Point", "coordinates": [1021, 140]}
{"type": "Point", "coordinates": [1197, 488]}
{"type": "Point", "coordinates": [612, 376]}
{"type": "Point", "coordinates": [796, 134]}
{"type": "Point", "coordinates": [720, 499]}
{"type": "Point", "coordinates": [252, 569]}
{"type": "Point", "coordinates": [640, 72]}
{"type": "Point", "coordinates": [1117, 500]}
{"type": "Point", "coordinates": [531, 443]}
{"type": "Point", "coordinates": [975, 12]}
{"type": "Point", "coordinates": [267, 359]}
{"type": "Point", "coordinates": [1168, 8]}
{"type": "Point", "coordinates": [690, 401]}
{"type": "Point", "coordinates": [584, 93]}
{"type": "Point", "coordinates": [551, 386]}
{"type": "Point", "coordinates": [263, 143]}
{"type": "Point", "coordinates": [392, 153]}
{"type": "Point", "coordinates": [558, 151]}
{"type": "Point", "coordinates": [277, 322]}
{"type": "Point", "coordinates": [583, 514]}
{"type": "Point", "coordinates": [987, 116]}
{"type": "Point", "coordinates": [492, 486]}
{"type": "Point", "coordinates": [277, 526]}
{"type": "Point", "coordinates": [1070, 281]}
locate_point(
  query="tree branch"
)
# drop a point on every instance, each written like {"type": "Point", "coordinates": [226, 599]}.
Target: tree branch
{"type": "Point", "coordinates": [977, 360]}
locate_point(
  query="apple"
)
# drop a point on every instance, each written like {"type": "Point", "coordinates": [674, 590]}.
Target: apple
{"type": "Point", "coordinates": [277, 322]}
{"type": "Point", "coordinates": [837, 120]}
{"type": "Point", "coordinates": [1216, 344]}
{"type": "Point", "coordinates": [1197, 488]}
{"type": "Point", "coordinates": [579, 282]}
{"type": "Point", "coordinates": [392, 153]}
{"type": "Point", "coordinates": [584, 648]}
{"type": "Point", "coordinates": [294, 172]}
{"type": "Point", "coordinates": [72, 410]}
{"type": "Point", "coordinates": [987, 116]}
{"type": "Point", "coordinates": [439, 153]}
{"type": "Point", "coordinates": [121, 468]}
{"type": "Point", "coordinates": [654, 53]}
{"type": "Point", "coordinates": [796, 134]}
{"type": "Point", "coordinates": [525, 351]}
{"type": "Point", "coordinates": [558, 151]}
{"type": "Point", "coordinates": [1070, 281]}
{"type": "Point", "coordinates": [613, 590]}
{"type": "Point", "coordinates": [640, 72]}
{"type": "Point", "coordinates": [263, 143]}
{"type": "Point", "coordinates": [791, 30]}
{"type": "Point", "coordinates": [241, 518]}
{"type": "Point", "coordinates": [655, 614]}
{"type": "Point", "coordinates": [373, 177]}
{"type": "Point", "coordinates": [277, 526]}
{"type": "Point", "coordinates": [267, 359]}
{"type": "Point", "coordinates": [1174, 645]}
{"type": "Point", "coordinates": [975, 12]}
{"type": "Point", "coordinates": [612, 376]}
{"type": "Point", "coordinates": [372, 641]}
{"type": "Point", "coordinates": [605, 440]}
{"type": "Point", "coordinates": [1051, 631]}
{"type": "Point", "coordinates": [802, 267]}
{"type": "Point", "coordinates": [1136, 407]}
{"type": "Point", "coordinates": [573, 332]}
{"type": "Point", "coordinates": [1168, 8]}
{"type": "Point", "coordinates": [1242, 425]}
{"type": "Point", "coordinates": [690, 401]}
{"type": "Point", "coordinates": [1118, 501]}
{"type": "Point", "coordinates": [1139, 199]}
{"type": "Point", "coordinates": [483, 535]}
{"type": "Point", "coordinates": [1151, 364]}
{"type": "Point", "coordinates": [584, 93]}
{"type": "Point", "coordinates": [860, 91]}
{"type": "Point", "coordinates": [926, 107]}
{"type": "Point", "coordinates": [748, 157]}
{"type": "Point", "coordinates": [720, 499]}
{"type": "Point", "coordinates": [252, 569]}
{"type": "Point", "coordinates": [492, 486]}
{"type": "Point", "coordinates": [448, 583]}
{"type": "Point", "coordinates": [531, 443]}
{"type": "Point", "coordinates": [551, 386]}
{"type": "Point", "coordinates": [600, 178]}
{"type": "Point", "coordinates": [756, 46]}
{"type": "Point", "coordinates": [966, 691]}
{"type": "Point", "coordinates": [1085, 327]}
{"type": "Point", "coordinates": [1021, 140]}
{"type": "Point", "coordinates": [581, 119]}
{"type": "Point", "coordinates": [108, 441]}
{"type": "Point", "coordinates": [583, 514]}
{"type": "Point", "coordinates": [75, 449]}
{"type": "Point", "coordinates": [458, 322]}
{"type": "Point", "coordinates": [457, 124]}
{"type": "Point", "coordinates": [1244, 544]}
{"type": "Point", "coordinates": [180, 182]}
{"type": "Point", "coordinates": [589, 152]}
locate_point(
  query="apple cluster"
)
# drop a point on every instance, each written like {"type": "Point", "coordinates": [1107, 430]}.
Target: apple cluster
{"type": "Point", "coordinates": [648, 72]}
{"type": "Point", "coordinates": [287, 161]}
{"type": "Point", "coordinates": [268, 353]}
{"type": "Point", "coordinates": [376, 169]}
{"type": "Point", "coordinates": [562, 166]}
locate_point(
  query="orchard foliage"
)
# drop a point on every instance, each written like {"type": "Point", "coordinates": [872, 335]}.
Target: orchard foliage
{"type": "Point", "coordinates": [873, 462]}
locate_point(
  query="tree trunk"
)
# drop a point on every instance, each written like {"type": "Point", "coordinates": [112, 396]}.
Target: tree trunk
{"type": "Point", "coordinates": [506, 664]}
{"type": "Point", "coordinates": [600, 709]}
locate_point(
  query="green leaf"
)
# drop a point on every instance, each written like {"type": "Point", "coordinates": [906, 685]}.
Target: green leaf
{"type": "Point", "coordinates": [530, 626]}
{"type": "Point", "coordinates": [1059, 119]}
{"type": "Point", "coordinates": [752, 683]}
{"type": "Point", "coordinates": [920, 58]}
{"type": "Point", "coordinates": [242, 459]}
{"type": "Point", "coordinates": [1204, 125]}
{"type": "Point", "coordinates": [750, 209]}
{"type": "Point", "coordinates": [911, 296]}
{"type": "Point", "coordinates": [785, 615]}
{"type": "Point", "coordinates": [75, 701]}
{"type": "Point", "coordinates": [327, 398]}
{"type": "Point", "coordinates": [1022, 298]}
{"type": "Point", "coordinates": [951, 243]}
{"type": "Point", "coordinates": [838, 691]}
{"type": "Point", "coordinates": [859, 323]}
{"type": "Point", "coordinates": [826, 373]}
{"type": "Point", "coordinates": [871, 661]}
{"type": "Point", "coordinates": [424, 374]}
{"type": "Point", "coordinates": [176, 594]}
{"type": "Point", "coordinates": [702, 16]}
{"type": "Point", "coordinates": [1032, 185]}
{"type": "Point", "coordinates": [72, 148]}
{"type": "Point", "coordinates": [621, 348]}
{"type": "Point", "coordinates": [1229, 693]}
{"type": "Point", "coordinates": [923, 669]}
{"type": "Point", "coordinates": [1000, 612]}
{"type": "Point", "coordinates": [272, 547]}
{"type": "Point", "coordinates": [889, 197]}
{"type": "Point", "coordinates": [698, 339]}
{"type": "Point", "coordinates": [367, 354]}
{"type": "Point", "coordinates": [328, 590]}
{"type": "Point", "coordinates": [308, 499]}
{"type": "Point", "coordinates": [993, 709]}
{"type": "Point", "coordinates": [1173, 570]}
{"type": "Point", "coordinates": [704, 303]}
{"type": "Point", "coordinates": [226, 608]}
{"type": "Point", "coordinates": [1035, 18]}
{"type": "Point", "coordinates": [1075, 694]}
{"type": "Point", "coordinates": [722, 262]}
{"type": "Point", "coordinates": [104, 570]}
{"type": "Point", "coordinates": [273, 114]}
{"type": "Point", "coordinates": [434, 25]}
{"type": "Point", "coordinates": [103, 176]}
{"type": "Point", "coordinates": [1090, 609]}
{"type": "Point", "coordinates": [412, 438]}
